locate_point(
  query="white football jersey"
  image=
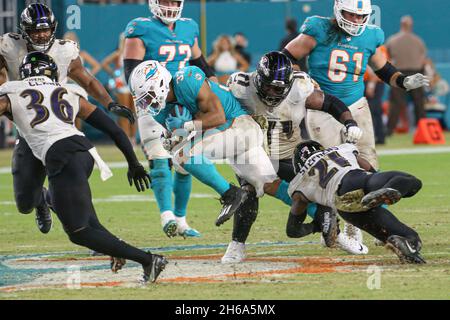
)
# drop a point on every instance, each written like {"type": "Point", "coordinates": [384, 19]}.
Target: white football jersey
{"type": "Point", "coordinates": [14, 48]}
{"type": "Point", "coordinates": [44, 111]}
{"type": "Point", "coordinates": [321, 176]}
{"type": "Point", "coordinates": [282, 122]}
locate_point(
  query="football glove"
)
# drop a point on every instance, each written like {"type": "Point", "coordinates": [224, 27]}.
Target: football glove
{"type": "Point", "coordinates": [416, 81]}
{"type": "Point", "coordinates": [177, 122]}
{"type": "Point", "coordinates": [139, 176]}
{"type": "Point", "coordinates": [352, 133]}
{"type": "Point", "coordinates": [121, 111]}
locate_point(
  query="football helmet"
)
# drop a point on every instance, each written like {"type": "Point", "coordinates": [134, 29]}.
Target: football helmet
{"type": "Point", "coordinates": [303, 152]}
{"type": "Point", "coordinates": [150, 85]}
{"type": "Point", "coordinates": [37, 17]}
{"type": "Point", "coordinates": [274, 78]}
{"type": "Point", "coordinates": [38, 64]}
{"type": "Point", "coordinates": [359, 7]}
{"type": "Point", "coordinates": [167, 14]}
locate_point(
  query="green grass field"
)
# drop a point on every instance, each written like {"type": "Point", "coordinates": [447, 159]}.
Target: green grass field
{"type": "Point", "coordinates": [128, 215]}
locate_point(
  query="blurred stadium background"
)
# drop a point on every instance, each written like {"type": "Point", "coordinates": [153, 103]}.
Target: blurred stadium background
{"type": "Point", "coordinates": [98, 25]}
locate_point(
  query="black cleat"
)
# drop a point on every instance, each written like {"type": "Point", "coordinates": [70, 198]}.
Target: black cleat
{"type": "Point", "coordinates": [117, 264]}
{"type": "Point", "coordinates": [44, 219]}
{"type": "Point", "coordinates": [406, 251]}
{"type": "Point", "coordinates": [232, 200]}
{"type": "Point", "coordinates": [329, 226]}
{"type": "Point", "coordinates": [152, 271]}
{"type": "Point", "coordinates": [379, 197]}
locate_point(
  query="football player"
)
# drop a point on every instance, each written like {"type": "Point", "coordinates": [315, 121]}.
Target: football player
{"type": "Point", "coordinates": [173, 41]}
{"type": "Point", "coordinates": [339, 50]}
{"type": "Point", "coordinates": [221, 129]}
{"type": "Point", "coordinates": [38, 27]}
{"type": "Point", "coordinates": [334, 177]}
{"type": "Point", "coordinates": [44, 111]}
{"type": "Point", "coordinates": [278, 98]}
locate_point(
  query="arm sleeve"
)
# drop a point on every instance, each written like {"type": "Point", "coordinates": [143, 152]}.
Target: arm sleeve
{"type": "Point", "coordinates": [98, 119]}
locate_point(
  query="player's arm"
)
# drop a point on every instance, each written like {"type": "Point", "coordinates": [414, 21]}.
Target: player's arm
{"type": "Point", "coordinates": [295, 228]}
{"type": "Point", "coordinates": [318, 100]}
{"type": "Point", "coordinates": [94, 88]}
{"type": "Point", "coordinates": [3, 70]}
{"type": "Point", "coordinates": [211, 113]}
{"type": "Point", "coordinates": [299, 48]}
{"type": "Point", "coordinates": [100, 120]}
{"type": "Point", "coordinates": [389, 74]}
{"type": "Point", "coordinates": [5, 105]}
{"type": "Point", "coordinates": [199, 60]}
{"type": "Point", "coordinates": [133, 55]}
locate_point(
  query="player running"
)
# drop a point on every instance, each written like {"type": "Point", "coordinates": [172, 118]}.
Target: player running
{"type": "Point", "coordinates": [278, 97]}
{"type": "Point", "coordinates": [173, 41]}
{"type": "Point", "coordinates": [339, 50]}
{"type": "Point", "coordinates": [45, 111]}
{"type": "Point", "coordinates": [335, 177]}
{"type": "Point", "coordinates": [221, 129]}
{"type": "Point", "coordinates": [38, 26]}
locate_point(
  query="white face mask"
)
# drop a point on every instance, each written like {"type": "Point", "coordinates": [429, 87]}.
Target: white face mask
{"type": "Point", "coordinates": [357, 7]}
{"type": "Point", "coordinates": [165, 13]}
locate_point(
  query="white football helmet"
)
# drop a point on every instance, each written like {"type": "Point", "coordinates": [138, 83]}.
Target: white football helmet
{"type": "Point", "coordinates": [150, 85]}
{"type": "Point", "coordinates": [359, 7]}
{"type": "Point", "coordinates": [165, 13]}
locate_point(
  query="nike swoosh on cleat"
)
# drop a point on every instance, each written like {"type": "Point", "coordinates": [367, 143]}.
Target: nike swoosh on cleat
{"type": "Point", "coordinates": [410, 249]}
{"type": "Point", "coordinates": [361, 248]}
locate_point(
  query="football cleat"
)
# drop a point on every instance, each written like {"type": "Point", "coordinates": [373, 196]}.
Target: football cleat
{"type": "Point", "coordinates": [329, 226]}
{"type": "Point", "coordinates": [117, 264]}
{"type": "Point", "coordinates": [188, 233]}
{"type": "Point", "coordinates": [406, 251]}
{"type": "Point", "coordinates": [169, 224]}
{"type": "Point", "coordinates": [152, 271]}
{"type": "Point", "coordinates": [235, 253]}
{"type": "Point", "coordinates": [350, 245]}
{"type": "Point", "coordinates": [353, 232]}
{"type": "Point", "coordinates": [379, 197]}
{"type": "Point", "coordinates": [44, 219]}
{"type": "Point", "coordinates": [231, 200]}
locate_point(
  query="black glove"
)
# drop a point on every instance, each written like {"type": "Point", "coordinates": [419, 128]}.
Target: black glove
{"type": "Point", "coordinates": [138, 176]}
{"type": "Point", "coordinates": [121, 111]}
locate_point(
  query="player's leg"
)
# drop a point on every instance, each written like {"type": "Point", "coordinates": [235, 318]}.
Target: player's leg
{"type": "Point", "coordinates": [397, 101]}
{"type": "Point", "coordinates": [389, 187]}
{"type": "Point", "coordinates": [242, 222]}
{"type": "Point", "coordinates": [384, 226]}
{"type": "Point", "coordinates": [28, 180]}
{"type": "Point", "coordinates": [72, 200]}
{"type": "Point", "coordinates": [161, 176]}
{"type": "Point", "coordinates": [182, 187]}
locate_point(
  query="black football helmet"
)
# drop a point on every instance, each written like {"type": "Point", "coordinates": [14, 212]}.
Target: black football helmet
{"type": "Point", "coordinates": [303, 152]}
{"type": "Point", "coordinates": [274, 78]}
{"type": "Point", "coordinates": [37, 17]}
{"type": "Point", "coordinates": [38, 64]}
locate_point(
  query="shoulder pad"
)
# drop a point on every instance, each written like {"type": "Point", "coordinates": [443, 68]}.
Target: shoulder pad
{"type": "Point", "coordinates": [315, 26]}
{"type": "Point", "coordinates": [14, 36]}
{"type": "Point", "coordinates": [238, 83]}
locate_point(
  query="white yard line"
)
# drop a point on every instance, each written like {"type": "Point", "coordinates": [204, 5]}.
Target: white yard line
{"type": "Point", "coordinates": [391, 152]}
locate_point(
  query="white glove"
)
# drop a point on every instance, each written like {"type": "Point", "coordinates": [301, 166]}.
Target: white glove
{"type": "Point", "coordinates": [351, 133]}
{"type": "Point", "coordinates": [416, 81]}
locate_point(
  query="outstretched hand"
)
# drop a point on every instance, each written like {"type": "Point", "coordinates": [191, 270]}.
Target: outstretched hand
{"type": "Point", "coordinates": [139, 176]}
{"type": "Point", "coordinates": [121, 111]}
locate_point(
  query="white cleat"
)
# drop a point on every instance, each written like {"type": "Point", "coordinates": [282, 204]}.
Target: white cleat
{"type": "Point", "coordinates": [350, 245]}
{"type": "Point", "coordinates": [235, 253]}
{"type": "Point", "coordinates": [169, 224]}
{"type": "Point", "coordinates": [353, 232]}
